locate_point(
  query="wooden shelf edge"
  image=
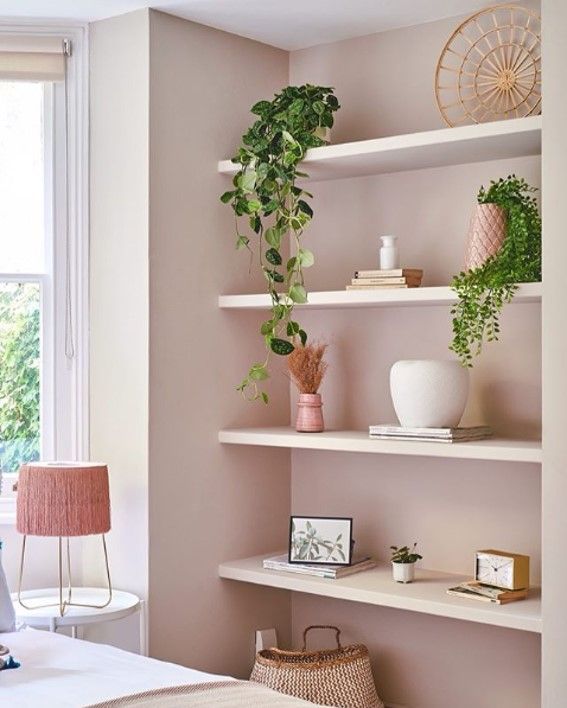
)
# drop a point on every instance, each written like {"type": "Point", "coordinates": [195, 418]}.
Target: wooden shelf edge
{"type": "Point", "coordinates": [376, 587]}
{"type": "Point", "coordinates": [494, 449]}
{"type": "Point", "coordinates": [433, 148]}
{"type": "Point", "coordinates": [338, 299]}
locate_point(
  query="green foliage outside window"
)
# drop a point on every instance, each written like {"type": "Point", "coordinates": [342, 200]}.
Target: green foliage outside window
{"type": "Point", "coordinates": [19, 374]}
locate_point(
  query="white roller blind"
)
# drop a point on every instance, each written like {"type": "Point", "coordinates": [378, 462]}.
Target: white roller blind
{"type": "Point", "coordinates": [32, 58]}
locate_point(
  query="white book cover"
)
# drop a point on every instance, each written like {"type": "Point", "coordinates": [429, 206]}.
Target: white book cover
{"type": "Point", "coordinates": [479, 431]}
{"type": "Point", "coordinates": [281, 563]}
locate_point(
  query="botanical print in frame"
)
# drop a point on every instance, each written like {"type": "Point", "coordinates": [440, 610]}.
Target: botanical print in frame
{"type": "Point", "coordinates": [320, 540]}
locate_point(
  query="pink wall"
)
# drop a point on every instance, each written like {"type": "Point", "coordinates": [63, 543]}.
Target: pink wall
{"type": "Point", "coordinates": [420, 661]}
{"type": "Point", "coordinates": [207, 503]}
{"type": "Point", "coordinates": [452, 507]}
{"type": "Point", "coordinates": [385, 81]}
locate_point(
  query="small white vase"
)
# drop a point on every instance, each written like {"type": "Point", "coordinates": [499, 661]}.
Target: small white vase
{"type": "Point", "coordinates": [429, 393]}
{"type": "Point", "coordinates": [389, 253]}
{"type": "Point", "coordinates": [403, 572]}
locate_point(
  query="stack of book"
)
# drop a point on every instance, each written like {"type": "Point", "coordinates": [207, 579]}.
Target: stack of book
{"type": "Point", "coordinates": [474, 590]}
{"type": "Point", "coordinates": [448, 435]}
{"type": "Point", "coordinates": [380, 279]}
{"type": "Point", "coordinates": [334, 572]}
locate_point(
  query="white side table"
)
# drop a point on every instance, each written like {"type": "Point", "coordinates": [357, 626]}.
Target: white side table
{"type": "Point", "coordinates": [123, 604]}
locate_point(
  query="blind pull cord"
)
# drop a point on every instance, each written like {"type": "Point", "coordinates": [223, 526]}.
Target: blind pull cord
{"type": "Point", "coordinates": [69, 334]}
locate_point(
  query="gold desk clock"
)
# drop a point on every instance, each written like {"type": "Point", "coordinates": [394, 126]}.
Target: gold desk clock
{"type": "Point", "coordinates": [501, 569]}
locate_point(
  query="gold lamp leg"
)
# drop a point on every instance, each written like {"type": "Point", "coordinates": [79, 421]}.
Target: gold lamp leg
{"type": "Point", "coordinates": [21, 573]}
{"type": "Point", "coordinates": [70, 582]}
{"type": "Point", "coordinates": [107, 567]}
{"type": "Point", "coordinates": [63, 604]}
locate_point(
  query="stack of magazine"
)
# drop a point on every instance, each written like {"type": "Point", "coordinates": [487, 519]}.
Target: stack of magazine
{"type": "Point", "coordinates": [473, 590]}
{"type": "Point", "coordinates": [359, 563]}
{"type": "Point", "coordinates": [448, 435]}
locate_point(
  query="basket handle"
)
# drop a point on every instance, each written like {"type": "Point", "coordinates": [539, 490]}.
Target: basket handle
{"type": "Point", "coordinates": [321, 626]}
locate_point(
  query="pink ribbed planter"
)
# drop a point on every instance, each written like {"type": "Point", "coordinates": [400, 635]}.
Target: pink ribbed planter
{"type": "Point", "coordinates": [487, 232]}
{"type": "Point", "coordinates": [309, 413]}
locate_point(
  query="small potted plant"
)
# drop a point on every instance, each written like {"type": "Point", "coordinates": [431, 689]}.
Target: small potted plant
{"type": "Point", "coordinates": [307, 368]}
{"type": "Point", "coordinates": [403, 563]}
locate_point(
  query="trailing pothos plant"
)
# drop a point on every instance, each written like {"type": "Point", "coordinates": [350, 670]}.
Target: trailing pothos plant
{"type": "Point", "coordinates": [482, 292]}
{"type": "Point", "coordinates": [276, 210]}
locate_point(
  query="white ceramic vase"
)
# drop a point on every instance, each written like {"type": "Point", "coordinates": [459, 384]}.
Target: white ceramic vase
{"type": "Point", "coordinates": [403, 572]}
{"type": "Point", "coordinates": [429, 393]}
{"type": "Point", "coordinates": [389, 257]}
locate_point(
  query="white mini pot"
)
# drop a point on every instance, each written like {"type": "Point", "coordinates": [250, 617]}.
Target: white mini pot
{"type": "Point", "coordinates": [429, 393]}
{"type": "Point", "coordinates": [403, 572]}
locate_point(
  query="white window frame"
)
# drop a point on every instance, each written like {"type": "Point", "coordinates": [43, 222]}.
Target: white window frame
{"type": "Point", "coordinates": [64, 380]}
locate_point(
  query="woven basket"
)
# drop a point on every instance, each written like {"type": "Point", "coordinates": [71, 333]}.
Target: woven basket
{"type": "Point", "coordinates": [340, 677]}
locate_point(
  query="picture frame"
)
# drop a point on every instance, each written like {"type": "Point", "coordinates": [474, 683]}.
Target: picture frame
{"type": "Point", "coordinates": [320, 540]}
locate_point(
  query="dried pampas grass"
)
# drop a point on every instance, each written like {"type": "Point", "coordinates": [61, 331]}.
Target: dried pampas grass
{"type": "Point", "coordinates": [307, 367]}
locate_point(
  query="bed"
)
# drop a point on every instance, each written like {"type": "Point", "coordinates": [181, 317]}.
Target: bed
{"type": "Point", "coordinates": [59, 672]}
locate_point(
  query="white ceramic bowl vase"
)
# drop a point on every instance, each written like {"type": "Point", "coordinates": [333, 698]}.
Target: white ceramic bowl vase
{"type": "Point", "coordinates": [429, 393]}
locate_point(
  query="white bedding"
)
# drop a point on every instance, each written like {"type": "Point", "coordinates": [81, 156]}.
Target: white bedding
{"type": "Point", "coordinates": [60, 672]}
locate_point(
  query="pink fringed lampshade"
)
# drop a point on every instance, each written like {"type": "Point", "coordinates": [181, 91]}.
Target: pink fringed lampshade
{"type": "Point", "coordinates": [63, 499]}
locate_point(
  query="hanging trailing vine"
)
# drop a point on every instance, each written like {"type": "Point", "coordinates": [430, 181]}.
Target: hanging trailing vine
{"type": "Point", "coordinates": [277, 211]}
{"type": "Point", "coordinates": [483, 291]}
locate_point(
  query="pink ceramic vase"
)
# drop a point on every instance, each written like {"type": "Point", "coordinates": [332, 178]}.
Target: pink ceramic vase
{"type": "Point", "coordinates": [487, 232]}
{"type": "Point", "coordinates": [309, 413]}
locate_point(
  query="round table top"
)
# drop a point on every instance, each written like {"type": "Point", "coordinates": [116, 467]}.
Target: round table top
{"type": "Point", "coordinates": [122, 605]}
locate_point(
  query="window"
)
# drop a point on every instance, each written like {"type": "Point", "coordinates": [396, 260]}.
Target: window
{"type": "Point", "coordinates": [25, 240]}
{"type": "Point", "coordinates": [42, 255]}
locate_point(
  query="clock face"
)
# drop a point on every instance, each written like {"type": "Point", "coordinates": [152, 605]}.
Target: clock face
{"type": "Point", "coordinates": [495, 570]}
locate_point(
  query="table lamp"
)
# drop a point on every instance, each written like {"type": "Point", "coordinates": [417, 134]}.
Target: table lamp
{"type": "Point", "coordinates": [63, 499]}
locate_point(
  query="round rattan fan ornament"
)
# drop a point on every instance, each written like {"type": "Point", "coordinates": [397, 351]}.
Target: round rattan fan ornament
{"type": "Point", "coordinates": [490, 69]}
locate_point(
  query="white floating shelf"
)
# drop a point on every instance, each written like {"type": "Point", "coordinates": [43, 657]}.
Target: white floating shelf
{"type": "Point", "coordinates": [358, 441]}
{"type": "Point", "coordinates": [394, 297]}
{"type": "Point", "coordinates": [435, 148]}
{"type": "Point", "coordinates": [376, 587]}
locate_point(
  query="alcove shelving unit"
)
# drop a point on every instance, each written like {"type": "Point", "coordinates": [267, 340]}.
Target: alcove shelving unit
{"type": "Point", "coordinates": [448, 146]}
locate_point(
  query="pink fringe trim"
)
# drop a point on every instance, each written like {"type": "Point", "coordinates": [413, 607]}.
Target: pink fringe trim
{"type": "Point", "coordinates": [63, 501]}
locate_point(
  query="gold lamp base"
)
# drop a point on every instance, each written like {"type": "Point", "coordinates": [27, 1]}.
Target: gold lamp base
{"type": "Point", "coordinates": [68, 602]}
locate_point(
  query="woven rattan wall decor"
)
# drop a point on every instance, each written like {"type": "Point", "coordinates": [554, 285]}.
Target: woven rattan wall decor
{"type": "Point", "coordinates": [490, 69]}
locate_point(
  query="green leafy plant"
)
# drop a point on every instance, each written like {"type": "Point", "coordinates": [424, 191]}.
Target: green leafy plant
{"type": "Point", "coordinates": [482, 292]}
{"type": "Point", "coordinates": [19, 374]}
{"type": "Point", "coordinates": [276, 211]}
{"type": "Point", "coordinates": [404, 554]}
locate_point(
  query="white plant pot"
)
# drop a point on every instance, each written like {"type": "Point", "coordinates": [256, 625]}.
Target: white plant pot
{"type": "Point", "coordinates": [429, 393]}
{"type": "Point", "coordinates": [403, 572]}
